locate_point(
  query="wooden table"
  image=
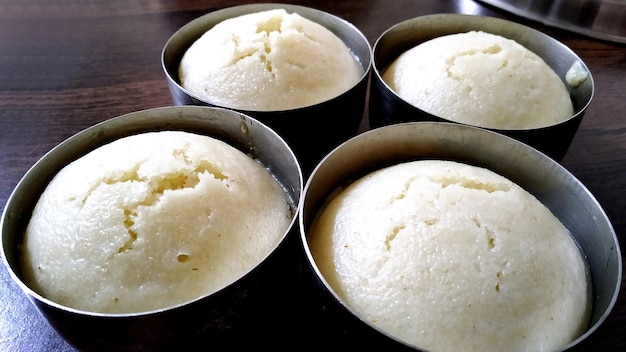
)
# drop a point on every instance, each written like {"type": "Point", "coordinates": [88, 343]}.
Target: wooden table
{"type": "Point", "coordinates": [66, 65]}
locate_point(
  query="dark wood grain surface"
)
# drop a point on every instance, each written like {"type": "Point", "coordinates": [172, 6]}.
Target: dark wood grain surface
{"type": "Point", "coordinates": [66, 65]}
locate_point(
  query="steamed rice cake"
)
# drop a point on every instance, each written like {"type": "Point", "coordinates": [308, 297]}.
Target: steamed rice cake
{"type": "Point", "coordinates": [151, 221]}
{"type": "Point", "coordinates": [268, 60]}
{"type": "Point", "coordinates": [480, 79]}
{"type": "Point", "coordinates": [447, 256]}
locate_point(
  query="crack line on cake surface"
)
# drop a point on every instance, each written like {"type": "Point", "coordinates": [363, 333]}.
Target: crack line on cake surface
{"type": "Point", "coordinates": [157, 186]}
{"type": "Point", "coordinates": [490, 50]}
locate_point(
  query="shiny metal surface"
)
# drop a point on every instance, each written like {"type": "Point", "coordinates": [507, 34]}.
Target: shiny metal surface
{"type": "Point", "coordinates": [386, 107]}
{"type": "Point", "coordinates": [543, 177]}
{"type": "Point", "coordinates": [600, 19]}
{"type": "Point", "coordinates": [213, 318]}
{"type": "Point", "coordinates": [301, 127]}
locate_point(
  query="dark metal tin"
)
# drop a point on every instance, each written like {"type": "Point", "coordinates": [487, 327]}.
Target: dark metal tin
{"type": "Point", "coordinates": [386, 107]}
{"type": "Point", "coordinates": [218, 319]}
{"type": "Point", "coordinates": [543, 177]}
{"type": "Point", "coordinates": [311, 131]}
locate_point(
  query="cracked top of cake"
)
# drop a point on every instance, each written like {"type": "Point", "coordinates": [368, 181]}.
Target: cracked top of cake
{"type": "Point", "coordinates": [266, 61]}
{"type": "Point", "coordinates": [480, 79]}
{"type": "Point", "coordinates": [151, 221]}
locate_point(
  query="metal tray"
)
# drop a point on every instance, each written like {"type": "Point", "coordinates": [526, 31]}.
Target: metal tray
{"type": "Point", "coordinates": [600, 19]}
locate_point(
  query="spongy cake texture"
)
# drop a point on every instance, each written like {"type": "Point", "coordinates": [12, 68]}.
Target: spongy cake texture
{"type": "Point", "coordinates": [480, 79]}
{"type": "Point", "coordinates": [152, 221]}
{"type": "Point", "coordinates": [268, 60]}
{"type": "Point", "coordinates": [451, 257]}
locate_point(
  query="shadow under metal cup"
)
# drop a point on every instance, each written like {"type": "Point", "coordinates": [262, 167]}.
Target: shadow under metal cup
{"type": "Point", "coordinates": [549, 182]}
{"type": "Point", "coordinates": [217, 320]}
{"type": "Point", "coordinates": [312, 131]}
{"type": "Point", "coordinates": [386, 107]}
